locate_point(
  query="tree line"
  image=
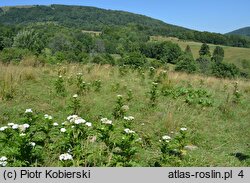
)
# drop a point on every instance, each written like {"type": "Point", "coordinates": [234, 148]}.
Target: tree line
{"type": "Point", "coordinates": [90, 18]}
{"type": "Point", "coordinates": [52, 43]}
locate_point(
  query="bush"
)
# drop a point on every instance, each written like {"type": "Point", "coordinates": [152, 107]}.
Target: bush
{"type": "Point", "coordinates": [187, 64]}
{"type": "Point", "coordinates": [134, 59]}
{"type": "Point", "coordinates": [13, 55]}
{"type": "Point", "coordinates": [167, 51]}
{"type": "Point", "coordinates": [223, 70]}
{"type": "Point", "coordinates": [205, 64]}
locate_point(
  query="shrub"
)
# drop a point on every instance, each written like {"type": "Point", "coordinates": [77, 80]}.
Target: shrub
{"type": "Point", "coordinates": [205, 64]}
{"type": "Point", "coordinates": [223, 70]}
{"type": "Point", "coordinates": [187, 64]}
{"type": "Point", "coordinates": [13, 55]}
{"type": "Point", "coordinates": [134, 59]}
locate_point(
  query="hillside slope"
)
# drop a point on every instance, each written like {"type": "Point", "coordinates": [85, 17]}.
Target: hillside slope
{"type": "Point", "coordinates": [238, 56]}
{"type": "Point", "coordinates": [79, 17]}
{"type": "Point", "coordinates": [243, 32]}
{"type": "Point", "coordinates": [90, 18]}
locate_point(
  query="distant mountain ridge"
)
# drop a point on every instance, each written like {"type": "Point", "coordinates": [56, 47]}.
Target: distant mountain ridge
{"type": "Point", "coordinates": [96, 19]}
{"type": "Point", "coordinates": [243, 32]}
{"type": "Point", "coordinates": [76, 16]}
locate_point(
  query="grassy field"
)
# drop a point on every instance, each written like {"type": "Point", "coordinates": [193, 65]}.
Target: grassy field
{"type": "Point", "coordinates": [232, 54]}
{"type": "Point", "coordinates": [214, 111]}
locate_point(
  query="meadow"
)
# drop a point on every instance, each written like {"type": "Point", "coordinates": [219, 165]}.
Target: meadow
{"type": "Point", "coordinates": [102, 115]}
{"type": "Point", "coordinates": [238, 56]}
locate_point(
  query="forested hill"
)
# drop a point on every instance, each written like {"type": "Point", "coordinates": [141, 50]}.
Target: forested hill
{"type": "Point", "coordinates": [81, 17]}
{"type": "Point", "coordinates": [243, 31]}
{"type": "Point", "coordinates": [90, 18]}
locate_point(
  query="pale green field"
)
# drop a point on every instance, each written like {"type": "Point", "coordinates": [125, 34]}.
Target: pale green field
{"type": "Point", "coordinates": [232, 54]}
{"type": "Point", "coordinates": [220, 130]}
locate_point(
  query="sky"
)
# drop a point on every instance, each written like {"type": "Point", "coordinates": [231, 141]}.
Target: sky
{"type": "Point", "coordinates": [219, 16]}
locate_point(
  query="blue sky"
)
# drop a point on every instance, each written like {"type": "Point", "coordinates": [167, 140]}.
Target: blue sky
{"type": "Point", "coordinates": [204, 15]}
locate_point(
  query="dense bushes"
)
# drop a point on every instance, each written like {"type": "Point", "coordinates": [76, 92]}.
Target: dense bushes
{"type": "Point", "coordinates": [225, 70]}
{"type": "Point", "coordinates": [187, 64]}
{"type": "Point", "coordinates": [167, 52]}
{"type": "Point", "coordinates": [13, 54]}
{"type": "Point", "coordinates": [135, 60]}
{"type": "Point", "coordinates": [52, 43]}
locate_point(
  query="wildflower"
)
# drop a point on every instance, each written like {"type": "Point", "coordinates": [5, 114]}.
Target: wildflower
{"type": "Point", "coordinates": [154, 83]}
{"type": "Point", "coordinates": [3, 161]}
{"type": "Point", "coordinates": [23, 127]}
{"type": "Point", "coordinates": [15, 126]}
{"type": "Point", "coordinates": [119, 96]}
{"type": "Point", "coordinates": [129, 118]}
{"type": "Point", "coordinates": [166, 138]}
{"type": "Point", "coordinates": [28, 111]}
{"type": "Point", "coordinates": [128, 131]}
{"type": "Point", "coordinates": [32, 144]}
{"type": "Point", "coordinates": [88, 124]}
{"type": "Point", "coordinates": [3, 158]}
{"type": "Point", "coordinates": [106, 121]}
{"type": "Point", "coordinates": [79, 121]}
{"type": "Point", "coordinates": [183, 129]}
{"type": "Point", "coordinates": [75, 96]}
{"type": "Point", "coordinates": [46, 116]}
{"type": "Point", "coordinates": [63, 130]}
{"type": "Point", "coordinates": [11, 124]}
{"type": "Point", "coordinates": [55, 124]}
{"type": "Point", "coordinates": [3, 128]}
{"type": "Point", "coordinates": [75, 119]}
{"type": "Point", "coordinates": [26, 125]}
{"type": "Point", "coordinates": [125, 107]}
{"type": "Point", "coordinates": [71, 117]}
{"type": "Point", "coordinates": [22, 134]}
{"type": "Point", "coordinates": [65, 157]}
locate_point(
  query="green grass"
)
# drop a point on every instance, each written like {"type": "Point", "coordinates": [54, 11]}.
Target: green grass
{"type": "Point", "coordinates": [233, 55]}
{"type": "Point", "coordinates": [218, 130]}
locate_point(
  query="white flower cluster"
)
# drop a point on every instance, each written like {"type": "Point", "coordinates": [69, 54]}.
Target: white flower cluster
{"type": "Point", "coordinates": [32, 144]}
{"type": "Point", "coordinates": [166, 138]}
{"type": "Point", "coordinates": [183, 129]}
{"type": "Point", "coordinates": [65, 157]}
{"type": "Point", "coordinates": [3, 161]}
{"type": "Point", "coordinates": [63, 130]}
{"type": "Point", "coordinates": [128, 131]}
{"type": "Point", "coordinates": [3, 128]}
{"type": "Point", "coordinates": [129, 118]}
{"type": "Point", "coordinates": [28, 111]}
{"type": "Point", "coordinates": [75, 119]}
{"type": "Point", "coordinates": [14, 126]}
{"type": "Point", "coordinates": [46, 116]}
{"type": "Point", "coordinates": [106, 121]}
{"type": "Point", "coordinates": [125, 107]}
{"type": "Point", "coordinates": [55, 124]}
{"type": "Point", "coordinates": [23, 127]}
